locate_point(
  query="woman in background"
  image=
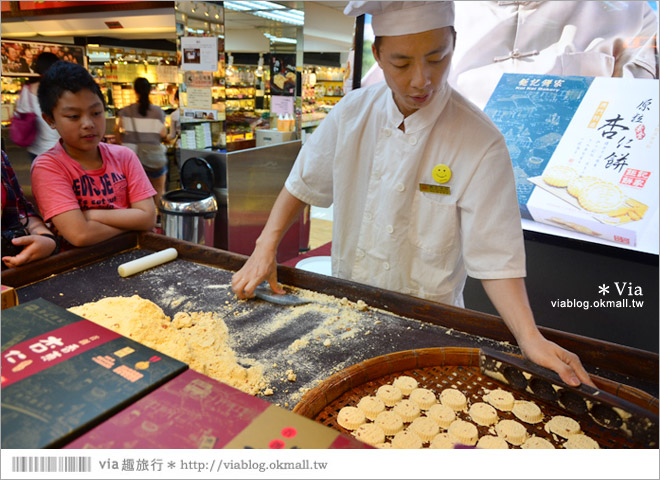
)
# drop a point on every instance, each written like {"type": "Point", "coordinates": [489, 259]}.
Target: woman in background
{"type": "Point", "coordinates": [28, 103]}
{"type": "Point", "coordinates": [141, 127]}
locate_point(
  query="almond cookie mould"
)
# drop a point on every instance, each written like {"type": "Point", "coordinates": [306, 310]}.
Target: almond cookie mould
{"type": "Point", "coordinates": [632, 415]}
{"type": "Point", "coordinates": [615, 415]}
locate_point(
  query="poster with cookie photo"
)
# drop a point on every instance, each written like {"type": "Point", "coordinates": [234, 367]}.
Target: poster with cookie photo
{"type": "Point", "coordinates": [283, 75]}
{"type": "Point", "coordinates": [602, 178]}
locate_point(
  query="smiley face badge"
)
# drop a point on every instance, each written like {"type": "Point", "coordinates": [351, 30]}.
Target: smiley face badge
{"type": "Point", "coordinates": [441, 173]}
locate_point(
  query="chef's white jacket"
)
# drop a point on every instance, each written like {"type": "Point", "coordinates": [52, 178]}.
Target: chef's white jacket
{"type": "Point", "coordinates": [592, 38]}
{"type": "Point", "coordinates": [387, 233]}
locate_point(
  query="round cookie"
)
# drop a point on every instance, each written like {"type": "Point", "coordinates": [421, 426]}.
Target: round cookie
{"type": "Point", "coordinates": [371, 406]}
{"type": "Point", "coordinates": [350, 418]}
{"type": "Point", "coordinates": [483, 414]}
{"type": "Point", "coordinates": [580, 440]}
{"type": "Point", "coordinates": [562, 426]}
{"type": "Point", "coordinates": [405, 384]}
{"type": "Point", "coordinates": [370, 433]}
{"type": "Point", "coordinates": [577, 185]}
{"type": "Point", "coordinates": [492, 442]}
{"type": "Point", "coordinates": [535, 442]}
{"type": "Point", "coordinates": [453, 399]}
{"type": "Point", "coordinates": [443, 440]}
{"type": "Point", "coordinates": [389, 394]}
{"type": "Point", "coordinates": [383, 445]}
{"type": "Point", "coordinates": [559, 176]}
{"type": "Point", "coordinates": [407, 409]}
{"type": "Point", "coordinates": [390, 422]}
{"type": "Point", "coordinates": [601, 197]}
{"type": "Point", "coordinates": [442, 414]}
{"type": "Point", "coordinates": [423, 398]}
{"type": "Point", "coordinates": [511, 431]}
{"type": "Point", "coordinates": [406, 439]}
{"type": "Point", "coordinates": [500, 399]}
{"type": "Point", "coordinates": [526, 411]}
{"type": "Point", "coordinates": [464, 432]}
{"type": "Point", "coordinates": [426, 428]}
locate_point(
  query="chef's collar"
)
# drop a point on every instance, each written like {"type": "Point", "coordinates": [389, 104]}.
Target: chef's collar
{"type": "Point", "coordinates": [423, 117]}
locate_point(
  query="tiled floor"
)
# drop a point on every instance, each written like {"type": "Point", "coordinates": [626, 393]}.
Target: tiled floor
{"type": "Point", "coordinates": [320, 227]}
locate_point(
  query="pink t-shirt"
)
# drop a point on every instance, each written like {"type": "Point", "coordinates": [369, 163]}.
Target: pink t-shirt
{"type": "Point", "coordinates": [60, 184]}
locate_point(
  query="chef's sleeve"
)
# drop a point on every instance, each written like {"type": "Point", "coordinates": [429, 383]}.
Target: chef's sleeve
{"type": "Point", "coordinates": [491, 231]}
{"type": "Point", "coordinates": [311, 178]}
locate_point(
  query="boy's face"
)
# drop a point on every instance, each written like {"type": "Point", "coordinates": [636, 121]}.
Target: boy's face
{"type": "Point", "coordinates": [79, 118]}
{"type": "Point", "coordinates": [416, 66]}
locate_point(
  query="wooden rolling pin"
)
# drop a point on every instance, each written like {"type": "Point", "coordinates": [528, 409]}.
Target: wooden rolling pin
{"type": "Point", "coordinates": [152, 260]}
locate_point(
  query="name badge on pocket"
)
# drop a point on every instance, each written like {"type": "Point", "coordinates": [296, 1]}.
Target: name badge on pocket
{"type": "Point", "coordinates": [441, 189]}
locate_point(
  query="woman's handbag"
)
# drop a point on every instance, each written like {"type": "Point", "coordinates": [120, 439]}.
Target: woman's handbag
{"type": "Point", "coordinates": [152, 156]}
{"type": "Point", "coordinates": [23, 128]}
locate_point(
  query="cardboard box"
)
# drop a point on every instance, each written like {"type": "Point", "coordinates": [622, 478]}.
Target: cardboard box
{"type": "Point", "coordinates": [273, 136]}
{"type": "Point", "coordinates": [194, 411]}
{"type": "Point", "coordinates": [9, 297]}
{"type": "Point", "coordinates": [63, 375]}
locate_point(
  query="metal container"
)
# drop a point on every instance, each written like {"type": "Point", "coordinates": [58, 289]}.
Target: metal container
{"type": "Point", "coordinates": [189, 213]}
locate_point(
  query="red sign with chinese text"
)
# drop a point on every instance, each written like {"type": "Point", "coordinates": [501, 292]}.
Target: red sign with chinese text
{"type": "Point", "coordinates": [39, 353]}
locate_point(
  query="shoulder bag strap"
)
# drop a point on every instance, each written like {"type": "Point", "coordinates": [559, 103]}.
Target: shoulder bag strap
{"type": "Point", "coordinates": [135, 130]}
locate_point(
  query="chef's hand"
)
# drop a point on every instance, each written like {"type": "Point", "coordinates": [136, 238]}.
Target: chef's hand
{"type": "Point", "coordinates": [548, 354]}
{"type": "Point", "coordinates": [262, 265]}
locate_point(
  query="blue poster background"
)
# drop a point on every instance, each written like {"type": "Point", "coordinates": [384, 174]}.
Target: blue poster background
{"type": "Point", "coordinates": [532, 112]}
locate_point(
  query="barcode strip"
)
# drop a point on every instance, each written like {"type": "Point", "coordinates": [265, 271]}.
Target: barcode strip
{"type": "Point", "coordinates": [51, 464]}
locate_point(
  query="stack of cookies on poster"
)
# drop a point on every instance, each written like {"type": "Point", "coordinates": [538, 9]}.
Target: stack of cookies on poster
{"type": "Point", "coordinates": [404, 415]}
{"type": "Point", "coordinates": [596, 195]}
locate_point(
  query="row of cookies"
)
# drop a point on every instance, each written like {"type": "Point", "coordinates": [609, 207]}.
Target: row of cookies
{"type": "Point", "coordinates": [388, 420]}
{"type": "Point", "coordinates": [594, 194]}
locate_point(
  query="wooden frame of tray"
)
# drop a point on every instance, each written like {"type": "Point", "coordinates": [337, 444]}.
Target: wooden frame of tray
{"type": "Point", "coordinates": [440, 368]}
{"type": "Point", "coordinates": [633, 363]}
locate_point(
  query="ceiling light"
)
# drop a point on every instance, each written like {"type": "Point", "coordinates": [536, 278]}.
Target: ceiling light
{"type": "Point", "coordinates": [273, 38]}
{"type": "Point", "coordinates": [237, 6]}
{"type": "Point", "coordinates": [284, 17]}
{"type": "Point", "coordinates": [248, 6]}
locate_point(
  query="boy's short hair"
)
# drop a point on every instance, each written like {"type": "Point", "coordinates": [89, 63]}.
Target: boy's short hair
{"type": "Point", "coordinates": [64, 77]}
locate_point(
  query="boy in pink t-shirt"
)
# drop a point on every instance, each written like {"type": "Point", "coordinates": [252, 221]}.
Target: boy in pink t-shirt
{"type": "Point", "coordinates": [91, 191]}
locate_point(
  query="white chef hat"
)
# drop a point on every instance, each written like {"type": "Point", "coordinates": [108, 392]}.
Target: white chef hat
{"type": "Point", "coordinates": [404, 18]}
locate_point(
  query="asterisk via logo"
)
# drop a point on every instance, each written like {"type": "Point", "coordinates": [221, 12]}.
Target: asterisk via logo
{"type": "Point", "coordinates": [603, 289]}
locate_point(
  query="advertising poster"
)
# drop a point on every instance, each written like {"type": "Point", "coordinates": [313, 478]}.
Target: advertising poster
{"type": "Point", "coordinates": [19, 58]}
{"type": "Point", "coordinates": [585, 155]}
{"type": "Point", "coordinates": [199, 54]}
{"type": "Point", "coordinates": [283, 74]}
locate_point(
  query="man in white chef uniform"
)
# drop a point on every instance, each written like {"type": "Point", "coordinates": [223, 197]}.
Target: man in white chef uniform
{"type": "Point", "coordinates": [421, 182]}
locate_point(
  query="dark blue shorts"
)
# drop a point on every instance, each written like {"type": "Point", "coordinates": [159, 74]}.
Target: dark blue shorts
{"type": "Point", "coordinates": [155, 173]}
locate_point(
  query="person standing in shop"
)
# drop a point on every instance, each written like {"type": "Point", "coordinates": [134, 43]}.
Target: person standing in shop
{"type": "Point", "coordinates": [29, 103]}
{"type": "Point", "coordinates": [421, 182]}
{"type": "Point", "coordinates": [141, 127]}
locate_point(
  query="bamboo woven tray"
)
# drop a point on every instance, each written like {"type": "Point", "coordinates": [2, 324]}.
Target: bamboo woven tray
{"type": "Point", "coordinates": [440, 368]}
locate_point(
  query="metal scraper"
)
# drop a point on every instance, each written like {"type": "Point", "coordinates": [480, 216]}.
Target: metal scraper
{"type": "Point", "coordinates": [264, 292]}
